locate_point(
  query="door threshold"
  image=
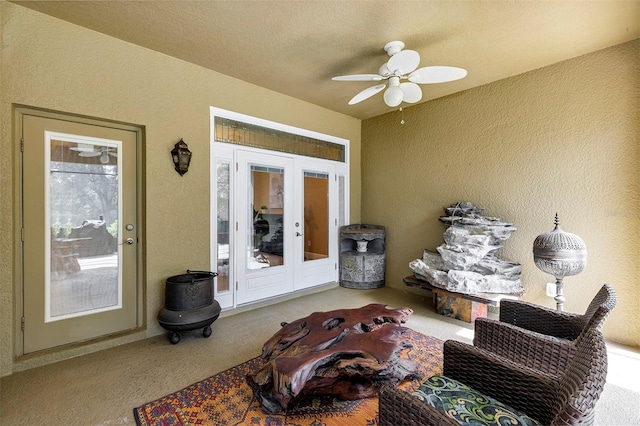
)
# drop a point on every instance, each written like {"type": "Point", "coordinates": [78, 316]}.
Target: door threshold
{"type": "Point", "coordinates": [249, 306]}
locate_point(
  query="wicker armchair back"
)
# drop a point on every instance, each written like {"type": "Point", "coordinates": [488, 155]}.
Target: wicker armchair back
{"type": "Point", "coordinates": [557, 323]}
{"type": "Point", "coordinates": [600, 307]}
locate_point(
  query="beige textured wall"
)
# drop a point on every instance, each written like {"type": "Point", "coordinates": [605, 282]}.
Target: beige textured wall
{"type": "Point", "coordinates": [49, 63]}
{"type": "Point", "coordinates": [564, 138]}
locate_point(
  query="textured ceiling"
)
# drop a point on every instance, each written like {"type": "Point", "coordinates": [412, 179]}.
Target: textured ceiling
{"type": "Point", "coordinates": [295, 47]}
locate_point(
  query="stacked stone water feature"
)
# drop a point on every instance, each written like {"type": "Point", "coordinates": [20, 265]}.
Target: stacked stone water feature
{"type": "Point", "coordinates": [467, 263]}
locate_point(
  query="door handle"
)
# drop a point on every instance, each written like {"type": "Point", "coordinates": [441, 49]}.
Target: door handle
{"type": "Point", "coordinates": [129, 241]}
{"type": "Point", "coordinates": [299, 234]}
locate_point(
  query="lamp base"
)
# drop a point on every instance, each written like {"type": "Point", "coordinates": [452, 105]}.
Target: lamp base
{"type": "Point", "coordinates": [559, 296]}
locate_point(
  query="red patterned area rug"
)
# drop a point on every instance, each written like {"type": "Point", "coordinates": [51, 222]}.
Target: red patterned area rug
{"type": "Point", "coordinates": [226, 399]}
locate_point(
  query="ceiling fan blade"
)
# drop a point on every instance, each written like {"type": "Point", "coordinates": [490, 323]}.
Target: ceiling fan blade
{"type": "Point", "coordinates": [113, 154]}
{"type": "Point", "coordinates": [358, 77]}
{"type": "Point", "coordinates": [411, 92]}
{"type": "Point", "coordinates": [82, 148]}
{"type": "Point", "coordinates": [404, 62]}
{"type": "Point", "coordinates": [366, 93]}
{"type": "Point", "coordinates": [437, 74]}
{"type": "Point", "coordinates": [89, 154]}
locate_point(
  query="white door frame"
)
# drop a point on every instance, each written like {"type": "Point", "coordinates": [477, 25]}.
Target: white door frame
{"type": "Point", "coordinates": [228, 152]}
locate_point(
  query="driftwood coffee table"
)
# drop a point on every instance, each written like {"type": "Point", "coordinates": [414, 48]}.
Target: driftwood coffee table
{"type": "Point", "coordinates": [346, 353]}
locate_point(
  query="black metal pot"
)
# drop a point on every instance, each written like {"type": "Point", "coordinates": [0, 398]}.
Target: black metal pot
{"type": "Point", "coordinates": [189, 304]}
{"type": "Point", "coordinates": [192, 290]}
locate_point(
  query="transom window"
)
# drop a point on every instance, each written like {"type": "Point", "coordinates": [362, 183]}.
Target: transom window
{"type": "Point", "coordinates": [239, 133]}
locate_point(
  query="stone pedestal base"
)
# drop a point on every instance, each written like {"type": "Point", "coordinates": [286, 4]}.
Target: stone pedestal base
{"type": "Point", "coordinates": [465, 307]}
{"type": "Point", "coordinates": [454, 306]}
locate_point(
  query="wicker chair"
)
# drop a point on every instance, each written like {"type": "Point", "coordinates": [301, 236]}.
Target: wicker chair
{"type": "Point", "coordinates": [566, 398]}
{"type": "Point", "coordinates": [557, 323]}
{"type": "Point", "coordinates": [541, 337]}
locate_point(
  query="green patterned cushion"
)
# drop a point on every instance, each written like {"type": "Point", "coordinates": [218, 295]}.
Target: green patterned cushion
{"type": "Point", "coordinates": [468, 406]}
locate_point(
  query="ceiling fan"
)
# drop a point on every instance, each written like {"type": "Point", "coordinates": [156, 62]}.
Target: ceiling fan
{"type": "Point", "coordinates": [402, 65]}
{"type": "Point", "coordinates": [86, 150]}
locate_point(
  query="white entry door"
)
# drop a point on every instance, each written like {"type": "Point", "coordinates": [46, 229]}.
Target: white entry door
{"type": "Point", "coordinates": [264, 228]}
{"type": "Point", "coordinates": [315, 250]}
{"type": "Point", "coordinates": [286, 225]}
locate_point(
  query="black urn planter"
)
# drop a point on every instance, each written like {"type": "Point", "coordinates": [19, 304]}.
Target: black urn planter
{"type": "Point", "coordinates": [189, 304]}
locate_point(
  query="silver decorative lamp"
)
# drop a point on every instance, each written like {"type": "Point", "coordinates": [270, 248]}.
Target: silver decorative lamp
{"type": "Point", "coordinates": [560, 254]}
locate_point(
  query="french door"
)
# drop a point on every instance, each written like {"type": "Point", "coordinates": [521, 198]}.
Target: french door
{"type": "Point", "coordinates": [316, 198]}
{"type": "Point", "coordinates": [282, 214]}
{"type": "Point", "coordinates": [264, 226]}
{"type": "Point", "coordinates": [80, 231]}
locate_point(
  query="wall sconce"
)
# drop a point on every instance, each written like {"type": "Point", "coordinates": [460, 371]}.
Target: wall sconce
{"type": "Point", "coordinates": [181, 157]}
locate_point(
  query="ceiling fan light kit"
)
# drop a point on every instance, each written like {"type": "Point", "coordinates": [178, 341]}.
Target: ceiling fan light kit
{"type": "Point", "coordinates": [402, 65]}
{"type": "Point", "coordinates": [393, 95]}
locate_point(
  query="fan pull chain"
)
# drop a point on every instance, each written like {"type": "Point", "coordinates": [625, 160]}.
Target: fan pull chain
{"type": "Point", "coordinates": [402, 119]}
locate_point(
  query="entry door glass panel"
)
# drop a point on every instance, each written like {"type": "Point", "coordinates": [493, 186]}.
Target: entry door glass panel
{"type": "Point", "coordinates": [316, 216]}
{"type": "Point", "coordinates": [264, 226]}
{"type": "Point", "coordinates": [266, 215]}
{"type": "Point", "coordinates": [83, 216]}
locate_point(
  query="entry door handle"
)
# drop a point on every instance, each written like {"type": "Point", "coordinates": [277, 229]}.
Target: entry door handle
{"type": "Point", "coordinates": [129, 241]}
{"type": "Point", "coordinates": [299, 234]}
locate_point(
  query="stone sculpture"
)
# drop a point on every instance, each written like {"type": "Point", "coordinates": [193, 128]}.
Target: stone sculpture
{"type": "Point", "coordinates": [466, 262]}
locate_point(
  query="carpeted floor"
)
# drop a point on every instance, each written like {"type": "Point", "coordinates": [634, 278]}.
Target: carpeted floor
{"type": "Point", "coordinates": [226, 399]}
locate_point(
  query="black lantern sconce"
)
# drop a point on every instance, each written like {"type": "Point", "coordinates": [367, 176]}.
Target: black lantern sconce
{"type": "Point", "coordinates": [181, 157]}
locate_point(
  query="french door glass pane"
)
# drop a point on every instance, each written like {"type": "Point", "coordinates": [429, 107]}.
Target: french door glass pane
{"type": "Point", "coordinates": [342, 220]}
{"type": "Point", "coordinates": [316, 216]}
{"type": "Point", "coordinates": [83, 206]}
{"type": "Point", "coordinates": [266, 212]}
{"type": "Point", "coordinates": [223, 169]}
